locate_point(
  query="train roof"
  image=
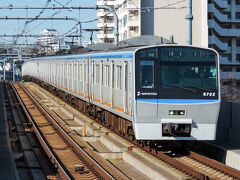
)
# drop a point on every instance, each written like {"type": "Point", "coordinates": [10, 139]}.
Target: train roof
{"type": "Point", "coordinates": [124, 49]}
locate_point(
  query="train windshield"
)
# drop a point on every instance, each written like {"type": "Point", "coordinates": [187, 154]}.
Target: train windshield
{"type": "Point", "coordinates": [176, 72]}
{"type": "Point", "coordinates": [184, 67]}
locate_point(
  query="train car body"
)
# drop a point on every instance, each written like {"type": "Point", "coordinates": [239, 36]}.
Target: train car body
{"type": "Point", "coordinates": [168, 92]}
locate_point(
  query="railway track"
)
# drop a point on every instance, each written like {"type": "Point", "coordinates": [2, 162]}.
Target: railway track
{"type": "Point", "coordinates": [31, 161]}
{"type": "Point", "coordinates": [191, 166]}
{"type": "Point", "coordinates": [70, 159]}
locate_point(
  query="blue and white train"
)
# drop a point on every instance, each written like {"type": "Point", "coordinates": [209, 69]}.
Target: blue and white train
{"type": "Point", "coordinates": [167, 92]}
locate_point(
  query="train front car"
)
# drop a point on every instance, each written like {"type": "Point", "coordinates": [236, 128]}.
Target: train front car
{"type": "Point", "coordinates": [177, 93]}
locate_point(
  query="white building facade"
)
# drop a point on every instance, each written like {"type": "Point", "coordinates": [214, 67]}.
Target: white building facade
{"type": "Point", "coordinates": [216, 24]}
{"type": "Point", "coordinates": [129, 20]}
{"type": "Point", "coordinates": [51, 41]}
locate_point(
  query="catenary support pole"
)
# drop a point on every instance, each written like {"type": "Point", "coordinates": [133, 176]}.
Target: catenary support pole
{"type": "Point", "coordinates": [111, 10]}
{"type": "Point", "coordinates": [189, 18]}
{"type": "Point", "coordinates": [13, 66]}
{"type": "Point", "coordinates": [4, 69]}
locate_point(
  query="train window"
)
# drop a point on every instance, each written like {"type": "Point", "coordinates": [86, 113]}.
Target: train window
{"type": "Point", "coordinates": [69, 70]}
{"type": "Point", "coordinates": [102, 72]}
{"type": "Point", "coordinates": [75, 71]}
{"type": "Point", "coordinates": [107, 75]}
{"type": "Point", "coordinates": [65, 70]}
{"type": "Point", "coordinates": [126, 76]}
{"type": "Point", "coordinates": [119, 77]}
{"type": "Point", "coordinates": [85, 72]}
{"type": "Point", "coordinates": [80, 72]}
{"type": "Point", "coordinates": [97, 74]}
{"type": "Point", "coordinates": [146, 74]}
{"type": "Point", "coordinates": [197, 75]}
{"type": "Point", "coordinates": [147, 53]}
{"type": "Point", "coordinates": [113, 75]}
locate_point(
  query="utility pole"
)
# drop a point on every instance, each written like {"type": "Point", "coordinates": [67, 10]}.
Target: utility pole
{"type": "Point", "coordinates": [189, 18]}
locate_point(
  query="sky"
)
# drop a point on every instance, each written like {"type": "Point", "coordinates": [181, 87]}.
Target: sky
{"type": "Point", "coordinates": [35, 27]}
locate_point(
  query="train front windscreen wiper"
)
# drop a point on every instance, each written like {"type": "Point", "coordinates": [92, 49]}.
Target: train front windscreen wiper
{"type": "Point", "coordinates": [198, 88]}
{"type": "Point", "coordinates": [184, 88]}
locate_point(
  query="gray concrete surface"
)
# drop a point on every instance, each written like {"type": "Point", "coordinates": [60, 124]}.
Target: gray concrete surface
{"type": "Point", "coordinates": [228, 127]}
{"type": "Point", "coordinates": [7, 164]}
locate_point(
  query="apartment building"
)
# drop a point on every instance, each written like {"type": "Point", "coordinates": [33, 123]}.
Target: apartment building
{"type": "Point", "coordinates": [51, 41]}
{"type": "Point", "coordinates": [129, 20]}
{"type": "Point", "coordinates": [216, 24]}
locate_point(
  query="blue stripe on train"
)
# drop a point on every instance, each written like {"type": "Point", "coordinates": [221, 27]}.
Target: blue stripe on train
{"type": "Point", "coordinates": [178, 101]}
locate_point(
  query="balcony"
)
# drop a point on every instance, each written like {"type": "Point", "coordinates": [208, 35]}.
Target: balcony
{"type": "Point", "coordinates": [221, 3]}
{"type": "Point", "coordinates": [221, 17]}
{"type": "Point", "coordinates": [229, 75]}
{"type": "Point", "coordinates": [102, 25]}
{"type": "Point", "coordinates": [133, 34]}
{"type": "Point", "coordinates": [214, 40]}
{"type": "Point", "coordinates": [106, 2]}
{"type": "Point", "coordinates": [104, 13]}
{"type": "Point", "coordinates": [133, 4]}
{"type": "Point", "coordinates": [222, 31]}
{"type": "Point", "coordinates": [224, 60]}
{"type": "Point", "coordinates": [105, 36]}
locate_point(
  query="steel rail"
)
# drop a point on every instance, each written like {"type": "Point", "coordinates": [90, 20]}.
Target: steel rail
{"type": "Point", "coordinates": [52, 157]}
{"type": "Point", "coordinates": [103, 172]}
{"type": "Point", "coordinates": [215, 164]}
{"type": "Point", "coordinates": [180, 165]}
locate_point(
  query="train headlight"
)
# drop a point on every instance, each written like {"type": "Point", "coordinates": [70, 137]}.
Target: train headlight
{"type": "Point", "coordinates": [177, 112]}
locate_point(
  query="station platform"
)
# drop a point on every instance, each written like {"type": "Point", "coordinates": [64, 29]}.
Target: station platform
{"type": "Point", "coordinates": [8, 168]}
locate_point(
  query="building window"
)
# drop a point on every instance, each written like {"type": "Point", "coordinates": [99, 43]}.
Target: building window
{"type": "Point", "coordinates": [229, 56]}
{"type": "Point", "coordinates": [230, 42]}
{"type": "Point", "coordinates": [229, 15]}
{"type": "Point", "coordinates": [125, 21]}
{"type": "Point", "coordinates": [238, 57]}
{"type": "Point", "coordinates": [132, 28]}
{"type": "Point", "coordinates": [227, 69]}
{"type": "Point", "coordinates": [238, 43]}
{"type": "Point", "coordinates": [229, 1]}
{"type": "Point", "coordinates": [238, 2]}
{"type": "Point", "coordinates": [237, 15]}
{"type": "Point", "coordinates": [237, 69]}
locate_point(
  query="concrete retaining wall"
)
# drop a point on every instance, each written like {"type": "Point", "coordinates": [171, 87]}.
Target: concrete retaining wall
{"type": "Point", "coordinates": [228, 128]}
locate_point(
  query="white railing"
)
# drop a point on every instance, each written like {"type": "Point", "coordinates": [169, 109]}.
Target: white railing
{"type": "Point", "coordinates": [106, 2]}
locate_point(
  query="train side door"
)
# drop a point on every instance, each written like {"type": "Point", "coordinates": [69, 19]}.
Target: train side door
{"type": "Point", "coordinates": [97, 81]}
{"type": "Point", "coordinates": [107, 87]}
{"type": "Point", "coordinates": [118, 86]}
